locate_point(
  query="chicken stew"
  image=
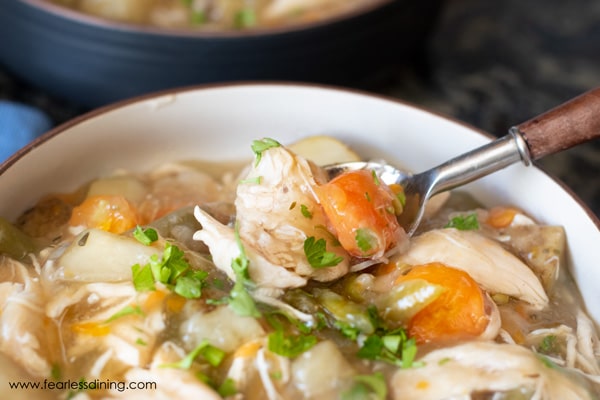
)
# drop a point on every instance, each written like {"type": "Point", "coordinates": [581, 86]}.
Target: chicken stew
{"type": "Point", "coordinates": [263, 280]}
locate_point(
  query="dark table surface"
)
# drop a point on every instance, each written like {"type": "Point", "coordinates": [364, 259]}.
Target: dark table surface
{"type": "Point", "coordinates": [490, 64]}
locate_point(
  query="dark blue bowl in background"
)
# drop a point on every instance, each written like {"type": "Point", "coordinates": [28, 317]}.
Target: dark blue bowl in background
{"type": "Point", "coordinates": [93, 62]}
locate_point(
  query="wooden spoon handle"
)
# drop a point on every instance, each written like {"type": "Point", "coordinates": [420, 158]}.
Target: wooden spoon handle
{"type": "Point", "coordinates": [571, 123]}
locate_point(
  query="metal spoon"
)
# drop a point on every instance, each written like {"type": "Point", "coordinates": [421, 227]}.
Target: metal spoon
{"type": "Point", "coordinates": [571, 123]}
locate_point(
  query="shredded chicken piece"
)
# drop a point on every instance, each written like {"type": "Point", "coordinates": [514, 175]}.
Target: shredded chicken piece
{"type": "Point", "coordinates": [456, 372]}
{"type": "Point", "coordinates": [224, 248]}
{"type": "Point", "coordinates": [493, 267]}
{"type": "Point", "coordinates": [280, 212]}
{"type": "Point", "coordinates": [22, 330]}
{"type": "Point", "coordinates": [164, 383]}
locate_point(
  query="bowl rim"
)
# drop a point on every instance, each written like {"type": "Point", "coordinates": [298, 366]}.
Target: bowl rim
{"type": "Point", "coordinates": [106, 24]}
{"type": "Point", "coordinates": [97, 112]}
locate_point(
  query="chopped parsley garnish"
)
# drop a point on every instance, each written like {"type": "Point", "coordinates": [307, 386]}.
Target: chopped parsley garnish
{"type": "Point", "coordinates": [548, 344]}
{"type": "Point", "coordinates": [211, 354]}
{"type": "Point", "coordinates": [305, 211]}
{"type": "Point", "coordinates": [55, 372]}
{"type": "Point", "coordinates": [218, 283]}
{"type": "Point", "coordinates": [290, 345]}
{"type": "Point", "coordinates": [142, 278]}
{"type": "Point", "coordinates": [171, 269]}
{"type": "Point", "coordinates": [256, 180]}
{"type": "Point", "coordinates": [375, 178]}
{"type": "Point", "coordinates": [349, 331]}
{"type": "Point", "coordinates": [190, 285]}
{"type": "Point", "coordinates": [464, 222]}
{"type": "Point", "coordinates": [547, 362]}
{"type": "Point", "coordinates": [367, 387]}
{"type": "Point", "coordinates": [128, 310]}
{"type": "Point", "coordinates": [239, 298]}
{"type": "Point", "coordinates": [145, 236]}
{"type": "Point", "coordinates": [227, 388]}
{"type": "Point", "coordinates": [241, 302]}
{"type": "Point", "coordinates": [245, 18]}
{"type": "Point", "coordinates": [391, 346]}
{"type": "Point", "coordinates": [275, 322]}
{"type": "Point", "coordinates": [365, 240]}
{"type": "Point", "coordinates": [198, 17]}
{"type": "Point", "coordinates": [259, 146]}
{"type": "Point", "coordinates": [317, 254]}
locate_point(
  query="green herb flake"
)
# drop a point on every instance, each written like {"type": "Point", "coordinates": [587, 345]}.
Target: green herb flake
{"type": "Point", "coordinates": [290, 346]}
{"type": "Point", "coordinates": [198, 17]}
{"type": "Point", "coordinates": [145, 236]}
{"type": "Point", "coordinates": [141, 342]}
{"type": "Point", "coordinates": [190, 285]}
{"type": "Point", "coordinates": [547, 362]}
{"type": "Point", "coordinates": [172, 270]}
{"type": "Point", "coordinates": [305, 211]}
{"type": "Point", "coordinates": [218, 284]}
{"type": "Point", "coordinates": [143, 279]}
{"type": "Point", "coordinates": [444, 361]}
{"type": "Point", "coordinates": [464, 222]}
{"type": "Point", "coordinates": [409, 352]}
{"type": "Point", "coordinates": [317, 254]}
{"type": "Point", "coordinates": [259, 146]}
{"type": "Point", "coordinates": [218, 302]}
{"type": "Point", "coordinates": [393, 347]}
{"type": "Point", "coordinates": [347, 330]}
{"type": "Point", "coordinates": [213, 355]}
{"type": "Point", "coordinates": [252, 181]}
{"type": "Point", "coordinates": [245, 18]}
{"type": "Point", "coordinates": [376, 320]}
{"type": "Point", "coordinates": [371, 348]}
{"type": "Point", "coordinates": [368, 196]}
{"type": "Point", "coordinates": [321, 320]}
{"type": "Point", "coordinates": [548, 344]}
{"type": "Point", "coordinates": [241, 302]}
{"type": "Point", "coordinates": [277, 375]}
{"type": "Point", "coordinates": [365, 240]}
{"type": "Point", "coordinates": [367, 387]}
{"type": "Point", "coordinates": [239, 299]}
{"type": "Point", "coordinates": [82, 383]}
{"type": "Point", "coordinates": [375, 178]}
{"type": "Point", "coordinates": [55, 372]}
{"type": "Point", "coordinates": [127, 310]}
{"type": "Point", "coordinates": [227, 388]}
{"type": "Point", "coordinates": [273, 319]}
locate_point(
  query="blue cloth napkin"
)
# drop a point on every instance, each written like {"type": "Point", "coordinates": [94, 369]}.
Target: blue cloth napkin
{"type": "Point", "coordinates": [19, 125]}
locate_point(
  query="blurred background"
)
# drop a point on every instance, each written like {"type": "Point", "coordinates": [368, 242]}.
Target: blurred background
{"type": "Point", "coordinates": [489, 64]}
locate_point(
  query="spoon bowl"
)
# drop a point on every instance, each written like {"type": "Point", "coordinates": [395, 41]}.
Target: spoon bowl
{"type": "Point", "coordinates": [569, 124]}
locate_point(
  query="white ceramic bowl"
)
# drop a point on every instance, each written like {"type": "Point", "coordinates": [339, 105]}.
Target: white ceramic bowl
{"type": "Point", "coordinates": [219, 122]}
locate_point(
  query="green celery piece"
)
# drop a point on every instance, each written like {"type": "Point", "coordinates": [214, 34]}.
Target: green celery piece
{"type": "Point", "coordinates": [344, 310]}
{"type": "Point", "coordinates": [407, 298]}
{"type": "Point", "coordinates": [14, 242]}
